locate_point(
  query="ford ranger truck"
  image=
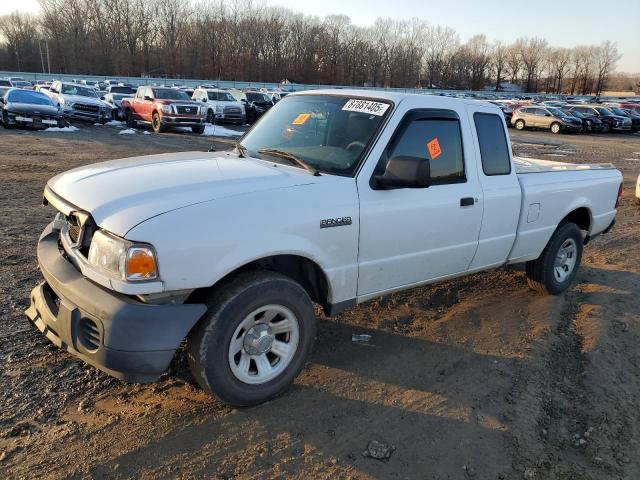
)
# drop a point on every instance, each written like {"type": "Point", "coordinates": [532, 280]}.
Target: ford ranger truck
{"type": "Point", "coordinates": [163, 108]}
{"type": "Point", "coordinates": [335, 197]}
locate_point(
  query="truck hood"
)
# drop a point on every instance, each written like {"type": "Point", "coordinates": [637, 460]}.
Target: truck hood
{"type": "Point", "coordinates": [120, 194]}
{"type": "Point", "coordinates": [80, 99]}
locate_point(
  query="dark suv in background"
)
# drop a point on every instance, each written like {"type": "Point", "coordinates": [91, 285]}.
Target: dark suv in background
{"type": "Point", "coordinates": [609, 121]}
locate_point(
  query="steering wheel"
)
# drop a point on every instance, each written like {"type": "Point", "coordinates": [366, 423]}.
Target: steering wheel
{"type": "Point", "coordinates": [355, 144]}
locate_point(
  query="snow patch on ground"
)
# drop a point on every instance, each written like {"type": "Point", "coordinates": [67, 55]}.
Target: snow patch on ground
{"type": "Point", "coordinates": [128, 131]}
{"type": "Point", "coordinates": [114, 123]}
{"type": "Point", "coordinates": [220, 131]}
{"type": "Point", "coordinates": [145, 132]}
{"type": "Point", "coordinates": [70, 128]}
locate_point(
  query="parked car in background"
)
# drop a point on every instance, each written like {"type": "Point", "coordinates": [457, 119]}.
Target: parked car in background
{"type": "Point", "coordinates": [114, 95]}
{"type": "Point", "coordinates": [635, 119]}
{"type": "Point", "coordinates": [79, 102]}
{"type": "Point", "coordinates": [548, 118]}
{"type": "Point", "coordinates": [256, 104]}
{"type": "Point", "coordinates": [163, 108]}
{"type": "Point", "coordinates": [220, 106]}
{"type": "Point", "coordinates": [507, 111]}
{"type": "Point", "coordinates": [5, 82]}
{"type": "Point", "coordinates": [27, 108]}
{"type": "Point", "coordinates": [592, 123]}
{"type": "Point", "coordinates": [610, 121]}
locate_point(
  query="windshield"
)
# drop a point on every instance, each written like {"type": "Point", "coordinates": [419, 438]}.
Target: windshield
{"type": "Point", "coordinates": [618, 111]}
{"type": "Point", "coordinates": [330, 133]}
{"type": "Point", "coordinates": [68, 89]}
{"type": "Point", "coordinates": [605, 112]}
{"type": "Point", "coordinates": [221, 96]}
{"type": "Point", "coordinates": [170, 94]}
{"type": "Point", "coordinates": [120, 96]}
{"type": "Point", "coordinates": [556, 112]}
{"type": "Point", "coordinates": [575, 113]}
{"type": "Point", "coordinates": [26, 96]}
{"type": "Point", "coordinates": [257, 97]}
{"type": "Point", "coordinates": [127, 90]}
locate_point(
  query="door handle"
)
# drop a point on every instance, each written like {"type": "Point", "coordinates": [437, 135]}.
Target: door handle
{"type": "Point", "coordinates": [467, 202]}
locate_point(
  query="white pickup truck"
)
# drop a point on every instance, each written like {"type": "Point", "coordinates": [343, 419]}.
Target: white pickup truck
{"type": "Point", "coordinates": [333, 198]}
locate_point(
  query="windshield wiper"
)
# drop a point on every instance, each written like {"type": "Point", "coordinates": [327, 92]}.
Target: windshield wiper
{"type": "Point", "coordinates": [242, 150]}
{"type": "Point", "coordinates": [292, 158]}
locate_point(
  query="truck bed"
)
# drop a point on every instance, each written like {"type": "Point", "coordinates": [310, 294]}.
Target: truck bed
{"type": "Point", "coordinates": [535, 165]}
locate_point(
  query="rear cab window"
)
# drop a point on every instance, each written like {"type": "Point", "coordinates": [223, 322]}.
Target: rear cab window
{"type": "Point", "coordinates": [494, 150]}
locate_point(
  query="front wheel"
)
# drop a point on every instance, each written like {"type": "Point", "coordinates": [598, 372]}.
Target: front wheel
{"type": "Point", "coordinates": [5, 120]}
{"type": "Point", "coordinates": [128, 116]}
{"type": "Point", "coordinates": [519, 124]}
{"type": "Point", "coordinates": [156, 123]}
{"type": "Point", "coordinates": [198, 130]}
{"type": "Point", "coordinates": [555, 128]}
{"type": "Point", "coordinates": [254, 339]}
{"type": "Point", "coordinates": [554, 270]}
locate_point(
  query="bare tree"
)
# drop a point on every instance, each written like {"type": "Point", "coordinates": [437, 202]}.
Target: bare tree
{"type": "Point", "coordinates": [606, 58]}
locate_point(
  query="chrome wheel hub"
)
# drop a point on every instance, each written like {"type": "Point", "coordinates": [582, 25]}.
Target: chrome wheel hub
{"type": "Point", "coordinates": [565, 260]}
{"type": "Point", "coordinates": [258, 339]}
{"type": "Point", "coordinates": [264, 344]}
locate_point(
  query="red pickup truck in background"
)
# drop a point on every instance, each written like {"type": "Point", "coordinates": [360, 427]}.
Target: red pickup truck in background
{"type": "Point", "coordinates": [163, 108]}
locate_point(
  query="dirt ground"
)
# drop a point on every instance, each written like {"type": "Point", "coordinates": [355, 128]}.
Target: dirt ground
{"type": "Point", "coordinates": [477, 378]}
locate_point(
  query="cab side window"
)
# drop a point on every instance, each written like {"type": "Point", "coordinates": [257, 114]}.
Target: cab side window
{"type": "Point", "coordinates": [437, 141]}
{"type": "Point", "coordinates": [494, 152]}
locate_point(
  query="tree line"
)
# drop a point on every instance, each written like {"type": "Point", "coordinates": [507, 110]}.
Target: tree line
{"type": "Point", "coordinates": [244, 41]}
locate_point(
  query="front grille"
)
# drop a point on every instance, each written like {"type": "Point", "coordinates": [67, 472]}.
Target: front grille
{"type": "Point", "coordinates": [89, 334]}
{"type": "Point", "coordinates": [186, 110]}
{"type": "Point", "coordinates": [232, 110]}
{"type": "Point", "coordinates": [86, 108]}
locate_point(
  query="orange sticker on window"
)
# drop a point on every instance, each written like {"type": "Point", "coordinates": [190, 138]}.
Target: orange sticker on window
{"type": "Point", "coordinates": [434, 148]}
{"type": "Point", "coordinates": [301, 119]}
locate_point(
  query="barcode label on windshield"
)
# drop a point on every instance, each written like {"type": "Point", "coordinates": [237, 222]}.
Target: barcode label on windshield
{"type": "Point", "coordinates": [366, 106]}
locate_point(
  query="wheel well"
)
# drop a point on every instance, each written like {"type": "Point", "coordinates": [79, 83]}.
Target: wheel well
{"type": "Point", "coordinates": [581, 217]}
{"type": "Point", "coordinates": [304, 271]}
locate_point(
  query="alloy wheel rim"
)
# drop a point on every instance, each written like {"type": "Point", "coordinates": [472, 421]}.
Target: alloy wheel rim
{"type": "Point", "coordinates": [263, 344]}
{"type": "Point", "coordinates": [565, 260]}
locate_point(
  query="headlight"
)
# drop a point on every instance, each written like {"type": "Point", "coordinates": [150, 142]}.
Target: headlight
{"type": "Point", "coordinates": [219, 109]}
{"type": "Point", "coordinates": [121, 258]}
{"type": "Point", "coordinates": [166, 108]}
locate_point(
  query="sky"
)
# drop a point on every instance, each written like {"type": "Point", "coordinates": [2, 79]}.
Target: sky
{"type": "Point", "coordinates": [563, 23]}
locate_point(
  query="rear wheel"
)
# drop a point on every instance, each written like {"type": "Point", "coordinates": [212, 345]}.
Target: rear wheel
{"type": "Point", "coordinates": [519, 124]}
{"type": "Point", "coordinates": [156, 123]}
{"type": "Point", "coordinates": [555, 127]}
{"type": "Point", "coordinates": [558, 264]}
{"type": "Point", "coordinates": [254, 339]}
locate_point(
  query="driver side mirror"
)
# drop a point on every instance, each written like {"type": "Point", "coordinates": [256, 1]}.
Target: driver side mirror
{"type": "Point", "coordinates": [53, 90]}
{"type": "Point", "coordinates": [147, 97]}
{"type": "Point", "coordinates": [204, 100]}
{"type": "Point", "coordinates": [405, 172]}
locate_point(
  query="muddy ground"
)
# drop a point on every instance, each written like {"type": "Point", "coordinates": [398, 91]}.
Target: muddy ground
{"type": "Point", "coordinates": [477, 378]}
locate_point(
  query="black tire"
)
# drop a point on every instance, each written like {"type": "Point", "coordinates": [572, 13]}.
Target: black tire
{"type": "Point", "coordinates": [156, 123]}
{"type": "Point", "coordinates": [540, 272]}
{"type": "Point", "coordinates": [555, 128]}
{"type": "Point", "coordinates": [606, 128]}
{"type": "Point", "coordinates": [208, 344]}
{"type": "Point", "coordinates": [210, 117]}
{"type": "Point", "coordinates": [198, 130]}
{"type": "Point", "coordinates": [114, 114]}
{"type": "Point", "coordinates": [519, 124]}
{"type": "Point", "coordinates": [5, 120]}
{"type": "Point", "coordinates": [128, 117]}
